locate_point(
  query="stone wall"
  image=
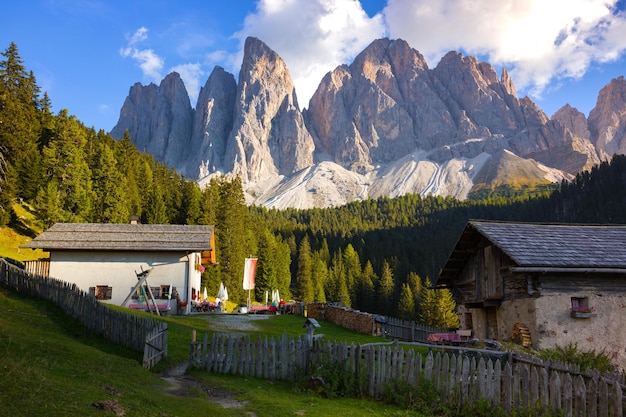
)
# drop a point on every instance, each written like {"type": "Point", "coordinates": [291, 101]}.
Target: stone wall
{"type": "Point", "coordinates": [350, 319]}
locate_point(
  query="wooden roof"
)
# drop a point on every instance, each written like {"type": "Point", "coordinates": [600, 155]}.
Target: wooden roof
{"type": "Point", "coordinates": [543, 245]}
{"type": "Point", "coordinates": [124, 237]}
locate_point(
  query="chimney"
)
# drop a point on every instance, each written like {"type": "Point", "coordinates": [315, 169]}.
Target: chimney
{"type": "Point", "coordinates": [134, 219]}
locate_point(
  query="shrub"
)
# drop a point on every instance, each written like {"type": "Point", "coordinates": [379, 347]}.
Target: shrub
{"type": "Point", "coordinates": [572, 354]}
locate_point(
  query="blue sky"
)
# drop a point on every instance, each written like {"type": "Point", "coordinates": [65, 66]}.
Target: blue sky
{"type": "Point", "coordinates": [88, 53]}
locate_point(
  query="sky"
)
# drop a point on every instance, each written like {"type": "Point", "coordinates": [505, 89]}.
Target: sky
{"type": "Point", "coordinates": [86, 54]}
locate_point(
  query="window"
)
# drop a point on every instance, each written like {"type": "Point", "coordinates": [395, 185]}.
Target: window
{"type": "Point", "coordinates": [165, 291]}
{"type": "Point", "coordinates": [101, 292]}
{"type": "Point", "coordinates": [161, 292]}
{"type": "Point", "coordinates": [581, 304]}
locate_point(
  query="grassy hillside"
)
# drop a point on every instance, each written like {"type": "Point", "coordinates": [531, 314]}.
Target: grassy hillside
{"type": "Point", "coordinates": [50, 366]}
{"type": "Point", "coordinates": [22, 228]}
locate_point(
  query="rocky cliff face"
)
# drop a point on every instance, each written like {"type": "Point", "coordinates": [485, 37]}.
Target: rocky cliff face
{"type": "Point", "coordinates": [159, 120]}
{"type": "Point", "coordinates": [384, 125]}
{"type": "Point", "coordinates": [607, 121]}
{"type": "Point", "coordinates": [212, 124]}
{"type": "Point", "coordinates": [268, 137]}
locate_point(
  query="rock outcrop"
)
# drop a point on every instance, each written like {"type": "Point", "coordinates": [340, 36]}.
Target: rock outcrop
{"type": "Point", "coordinates": [385, 125]}
{"type": "Point", "coordinates": [269, 136]}
{"type": "Point", "coordinates": [607, 120]}
{"type": "Point", "coordinates": [159, 120]}
{"type": "Point", "coordinates": [212, 124]}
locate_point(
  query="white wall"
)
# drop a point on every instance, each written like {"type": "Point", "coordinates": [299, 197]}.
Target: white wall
{"type": "Point", "coordinates": [118, 270]}
{"type": "Point", "coordinates": [604, 332]}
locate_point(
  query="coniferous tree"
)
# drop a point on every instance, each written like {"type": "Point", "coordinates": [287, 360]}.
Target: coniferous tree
{"type": "Point", "coordinates": [155, 210]}
{"type": "Point", "coordinates": [137, 173]}
{"type": "Point", "coordinates": [108, 186]}
{"type": "Point", "coordinates": [366, 288]}
{"type": "Point", "coordinates": [231, 235]}
{"type": "Point", "coordinates": [319, 275]}
{"type": "Point", "coordinates": [282, 261]}
{"type": "Point", "coordinates": [266, 280]}
{"type": "Point", "coordinates": [386, 290]}
{"type": "Point", "coordinates": [429, 306]}
{"type": "Point", "coordinates": [352, 265]}
{"type": "Point", "coordinates": [340, 292]}
{"type": "Point", "coordinates": [19, 131]}
{"type": "Point", "coordinates": [406, 303]}
{"type": "Point", "coordinates": [65, 163]}
{"type": "Point", "coordinates": [447, 306]}
{"type": "Point", "coordinates": [415, 284]}
{"type": "Point", "coordinates": [304, 279]}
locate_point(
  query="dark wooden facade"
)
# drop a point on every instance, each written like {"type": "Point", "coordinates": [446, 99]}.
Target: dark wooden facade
{"type": "Point", "coordinates": [504, 275]}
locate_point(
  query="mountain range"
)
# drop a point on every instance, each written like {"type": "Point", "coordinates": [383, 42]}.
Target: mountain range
{"type": "Point", "coordinates": [385, 125]}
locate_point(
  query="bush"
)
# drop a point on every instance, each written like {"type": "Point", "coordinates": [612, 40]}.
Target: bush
{"type": "Point", "coordinates": [331, 380]}
{"type": "Point", "coordinates": [572, 354]}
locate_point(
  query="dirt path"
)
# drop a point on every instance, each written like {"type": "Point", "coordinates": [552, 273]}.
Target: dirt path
{"type": "Point", "coordinates": [183, 385]}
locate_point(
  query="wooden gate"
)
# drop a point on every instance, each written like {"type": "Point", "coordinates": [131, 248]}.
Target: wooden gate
{"type": "Point", "coordinates": [156, 346]}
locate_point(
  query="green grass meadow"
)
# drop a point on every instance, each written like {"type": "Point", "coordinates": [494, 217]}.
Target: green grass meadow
{"type": "Point", "coordinates": [51, 366]}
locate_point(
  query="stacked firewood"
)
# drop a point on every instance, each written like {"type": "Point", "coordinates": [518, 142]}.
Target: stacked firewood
{"type": "Point", "coordinates": [521, 334]}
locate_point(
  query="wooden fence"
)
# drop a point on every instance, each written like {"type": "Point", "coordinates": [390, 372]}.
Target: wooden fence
{"type": "Point", "coordinates": [156, 345]}
{"type": "Point", "coordinates": [459, 378]}
{"type": "Point", "coordinates": [406, 330]}
{"type": "Point", "coordinates": [128, 330]}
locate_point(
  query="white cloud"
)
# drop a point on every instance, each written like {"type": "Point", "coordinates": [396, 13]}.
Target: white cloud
{"type": "Point", "coordinates": [150, 63]}
{"type": "Point", "coordinates": [313, 37]}
{"type": "Point", "coordinates": [539, 41]}
{"type": "Point", "coordinates": [190, 74]}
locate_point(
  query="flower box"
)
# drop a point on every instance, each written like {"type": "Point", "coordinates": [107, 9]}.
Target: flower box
{"type": "Point", "coordinates": [582, 314]}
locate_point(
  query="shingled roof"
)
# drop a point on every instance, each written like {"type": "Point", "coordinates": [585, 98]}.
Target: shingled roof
{"type": "Point", "coordinates": [539, 245]}
{"type": "Point", "coordinates": [124, 237]}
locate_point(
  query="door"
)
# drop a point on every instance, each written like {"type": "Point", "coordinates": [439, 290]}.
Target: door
{"type": "Point", "coordinates": [492, 323]}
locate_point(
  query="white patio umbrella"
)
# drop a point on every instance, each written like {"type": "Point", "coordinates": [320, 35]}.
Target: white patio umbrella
{"type": "Point", "coordinates": [205, 295]}
{"type": "Point", "coordinates": [225, 294]}
{"type": "Point", "coordinates": [221, 291]}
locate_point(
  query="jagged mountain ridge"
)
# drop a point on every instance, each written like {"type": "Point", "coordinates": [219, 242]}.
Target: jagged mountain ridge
{"type": "Point", "coordinates": [384, 125]}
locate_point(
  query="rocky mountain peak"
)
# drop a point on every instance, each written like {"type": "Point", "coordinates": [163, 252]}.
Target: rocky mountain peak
{"type": "Point", "coordinates": [158, 119]}
{"type": "Point", "coordinates": [268, 137]}
{"type": "Point", "coordinates": [574, 120]}
{"type": "Point", "coordinates": [385, 125]}
{"type": "Point", "coordinates": [607, 120]}
{"type": "Point", "coordinates": [212, 124]}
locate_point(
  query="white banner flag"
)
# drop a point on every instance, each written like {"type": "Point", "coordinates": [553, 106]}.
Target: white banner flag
{"type": "Point", "coordinates": [249, 273]}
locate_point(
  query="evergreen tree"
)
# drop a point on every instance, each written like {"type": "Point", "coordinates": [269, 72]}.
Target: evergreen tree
{"type": "Point", "coordinates": [319, 276]}
{"type": "Point", "coordinates": [304, 279]}
{"type": "Point", "coordinates": [406, 303]}
{"type": "Point", "coordinates": [352, 265]}
{"type": "Point", "coordinates": [136, 171]}
{"type": "Point", "coordinates": [19, 131]}
{"type": "Point", "coordinates": [365, 288]}
{"type": "Point", "coordinates": [266, 280]}
{"type": "Point", "coordinates": [231, 235]}
{"type": "Point", "coordinates": [415, 284]}
{"type": "Point", "coordinates": [155, 211]}
{"type": "Point", "coordinates": [429, 307]}
{"type": "Point", "coordinates": [66, 165]}
{"type": "Point", "coordinates": [340, 292]}
{"type": "Point", "coordinates": [447, 310]}
{"type": "Point", "coordinates": [48, 203]}
{"type": "Point", "coordinates": [282, 261]}
{"type": "Point", "coordinates": [108, 186]}
{"type": "Point", "coordinates": [386, 290]}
